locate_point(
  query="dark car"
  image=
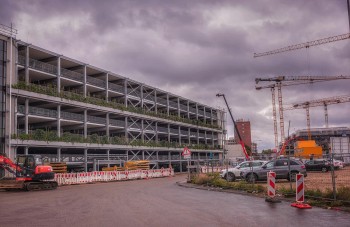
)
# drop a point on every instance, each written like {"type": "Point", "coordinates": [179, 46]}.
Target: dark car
{"type": "Point", "coordinates": [318, 165]}
{"type": "Point", "coordinates": [279, 166]}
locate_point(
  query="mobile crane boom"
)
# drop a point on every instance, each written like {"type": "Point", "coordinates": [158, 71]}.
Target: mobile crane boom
{"type": "Point", "coordinates": [235, 126]}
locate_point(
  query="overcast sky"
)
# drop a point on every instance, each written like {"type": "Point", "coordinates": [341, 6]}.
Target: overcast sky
{"type": "Point", "coordinates": [198, 48]}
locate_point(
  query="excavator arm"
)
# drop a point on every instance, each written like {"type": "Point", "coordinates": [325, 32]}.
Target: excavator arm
{"type": "Point", "coordinates": [9, 165]}
{"type": "Point", "coordinates": [234, 123]}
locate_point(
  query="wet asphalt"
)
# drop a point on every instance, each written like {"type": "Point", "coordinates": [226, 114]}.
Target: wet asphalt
{"type": "Point", "coordinates": [154, 202]}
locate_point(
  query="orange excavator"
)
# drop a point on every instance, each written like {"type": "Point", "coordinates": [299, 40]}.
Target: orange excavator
{"type": "Point", "coordinates": [29, 173]}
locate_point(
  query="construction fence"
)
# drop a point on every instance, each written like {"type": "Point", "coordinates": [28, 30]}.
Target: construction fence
{"type": "Point", "coordinates": [105, 176]}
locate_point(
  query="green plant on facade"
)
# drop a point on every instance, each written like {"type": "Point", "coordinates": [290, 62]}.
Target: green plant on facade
{"type": "Point", "coordinates": [48, 135]}
{"type": "Point", "coordinates": [52, 90]}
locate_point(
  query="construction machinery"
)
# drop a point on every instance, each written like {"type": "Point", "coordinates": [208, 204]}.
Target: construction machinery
{"type": "Point", "coordinates": [235, 127]}
{"type": "Point", "coordinates": [29, 173]}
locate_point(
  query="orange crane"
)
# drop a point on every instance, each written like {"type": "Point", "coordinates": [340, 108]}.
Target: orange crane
{"type": "Point", "coordinates": [318, 102]}
{"type": "Point", "coordinates": [281, 81]}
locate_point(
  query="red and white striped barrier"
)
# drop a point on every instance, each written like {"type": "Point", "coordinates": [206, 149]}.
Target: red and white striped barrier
{"type": "Point", "coordinates": [271, 184]}
{"type": "Point", "coordinates": [98, 176]}
{"type": "Point", "coordinates": [299, 193]}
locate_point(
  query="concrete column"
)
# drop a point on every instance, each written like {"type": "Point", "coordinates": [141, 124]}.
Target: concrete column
{"type": "Point", "coordinates": [197, 111]}
{"type": "Point", "coordinates": [59, 120]}
{"type": "Point", "coordinates": [179, 131]}
{"type": "Point", "coordinates": [142, 131]}
{"type": "Point", "coordinates": [26, 110]}
{"type": "Point", "coordinates": [211, 117]}
{"type": "Point", "coordinates": [169, 133]}
{"type": "Point", "coordinates": [205, 137]}
{"type": "Point", "coordinates": [178, 107]}
{"type": "Point", "coordinates": [85, 124]}
{"type": "Point", "coordinates": [26, 73]}
{"type": "Point", "coordinates": [169, 158]}
{"type": "Point", "coordinates": [205, 115]}
{"type": "Point", "coordinates": [180, 164]}
{"type": "Point", "coordinates": [157, 153]}
{"type": "Point", "coordinates": [167, 103]}
{"type": "Point", "coordinates": [156, 131]}
{"type": "Point", "coordinates": [188, 109]}
{"type": "Point", "coordinates": [58, 154]}
{"type": "Point", "coordinates": [143, 155]}
{"type": "Point", "coordinates": [126, 92]}
{"type": "Point", "coordinates": [126, 129]}
{"type": "Point", "coordinates": [107, 124]}
{"type": "Point", "coordinates": [85, 89]}
{"type": "Point", "coordinates": [212, 138]}
{"type": "Point", "coordinates": [155, 102]}
{"type": "Point", "coordinates": [197, 136]}
{"type": "Point", "coordinates": [108, 156]}
{"type": "Point", "coordinates": [58, 74]}
{"type": "Point", "coordinates": [26, 150]}
{"type": "Point", "coordinates": [141, 94]}
{"type": "Point", "coordinates": [85, 160]}
{"type": "Point", "coordinates": [189, 135]}
{"type": "Point", "coordinates": [107, 96]}
{"type": "Point", "coordinates": [15, 118]}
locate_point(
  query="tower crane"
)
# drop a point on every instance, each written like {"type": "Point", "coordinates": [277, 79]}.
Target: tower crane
{"type": "Point", "coordinates": [235, 127]}
{"type": "Point", "coordinates": [304, 45]}
{"type": "Point", "coordinates": [281, 81]}
{"type": "Point", "coordinates": [318, 102]}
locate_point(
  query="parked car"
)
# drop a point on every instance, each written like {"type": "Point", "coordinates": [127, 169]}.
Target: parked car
{"type": "Point", "coordinates": [318, 165]}
{"type": "Point", "coordinates": [279, 166]}
{"type": "Point", "coordinates": [232, 174]}
{"type": "Point", "coordinates": [338, 164]}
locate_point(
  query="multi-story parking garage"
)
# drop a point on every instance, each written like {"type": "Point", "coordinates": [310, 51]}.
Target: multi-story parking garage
{"type": "Point", "coordinates": [69, 111]}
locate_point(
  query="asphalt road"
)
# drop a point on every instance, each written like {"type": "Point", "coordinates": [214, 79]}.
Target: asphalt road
{"type": "Point", "coordinates": [154, 202]}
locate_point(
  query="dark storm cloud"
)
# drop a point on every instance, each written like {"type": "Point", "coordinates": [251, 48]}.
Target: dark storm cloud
{"type": "Point", "coordinates": [198, 48]}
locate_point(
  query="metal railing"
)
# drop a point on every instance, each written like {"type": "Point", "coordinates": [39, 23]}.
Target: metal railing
{"type": "Point", "coordinates": [162, 101]}
{"type": "Point", "coordinates": [96, 82]}
{"type": "Point", "coordinates": [38, 111]}
{"type": "Point", "coordinates": [174, 131]}
{"type": "Point", "coordinates": [119, 123]}
{"type": "Point", "coordinates": [183, 107]}
{"type": "Point", "coordinates": [150, 97]}
{"type": "Point", "coordinates": [202, 135]}
{"type": "Point", "coordinates": [193, 110]}
{"type": "Point", "coordinates": [184, 132]}
{"type": "Point", "coordinates": [116, 87]}
{"type": "Point", "coordinates": [162, 129]}
{"type": "Point", "coordinates": [98, 120]}
{"type": "Point", "coordinates": [173, 104]}
{"type": "Point", "coordinates": [72, 116]}
{"type": "Point", "coordinates": [72, 75]}
{"type": "Point", "coordinates": [193, 134]}
{"type": "Point", "coordinates": [201, 112]}
{"type": "Point", "coordinates": [38, 65]}
{"type": "Point", "coordinates": [21, 60]}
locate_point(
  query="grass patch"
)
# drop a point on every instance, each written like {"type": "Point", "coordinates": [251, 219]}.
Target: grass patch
{"type": "Point", "coordinates": [214, 180]}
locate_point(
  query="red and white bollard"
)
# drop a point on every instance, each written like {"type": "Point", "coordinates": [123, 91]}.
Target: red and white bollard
{"type": "Point", "coordinates": [299, 193]}
{"type": "Point", "coordinates": [271, 187]}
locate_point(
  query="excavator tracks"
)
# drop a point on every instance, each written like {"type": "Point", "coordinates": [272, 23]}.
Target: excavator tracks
{"type": "Point", "coordinates": [35, 186]}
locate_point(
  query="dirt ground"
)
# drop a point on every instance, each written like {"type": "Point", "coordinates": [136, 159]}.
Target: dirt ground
{"type": "Point", "coordinates": [320, 180]}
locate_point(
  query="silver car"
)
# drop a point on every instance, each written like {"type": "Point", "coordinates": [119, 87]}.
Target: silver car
{"type": "Point", "coordinates": [279, 166]}
{"type": "Point", "coordinates": [232, 174]}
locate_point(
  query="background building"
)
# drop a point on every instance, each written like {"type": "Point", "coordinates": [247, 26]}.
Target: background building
{"type": "Point", "coordinates": [244, 129]}
{"type": "Point", "coordinates": [73, 112]}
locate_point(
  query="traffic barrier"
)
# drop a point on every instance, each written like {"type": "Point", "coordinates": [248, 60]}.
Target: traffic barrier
{"type": "Point", "coordinates": [271, 188]}
{"type": "Point", "coordinates": [105, 176]}
{"type": "Point", "coordinates": [299, 193]}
